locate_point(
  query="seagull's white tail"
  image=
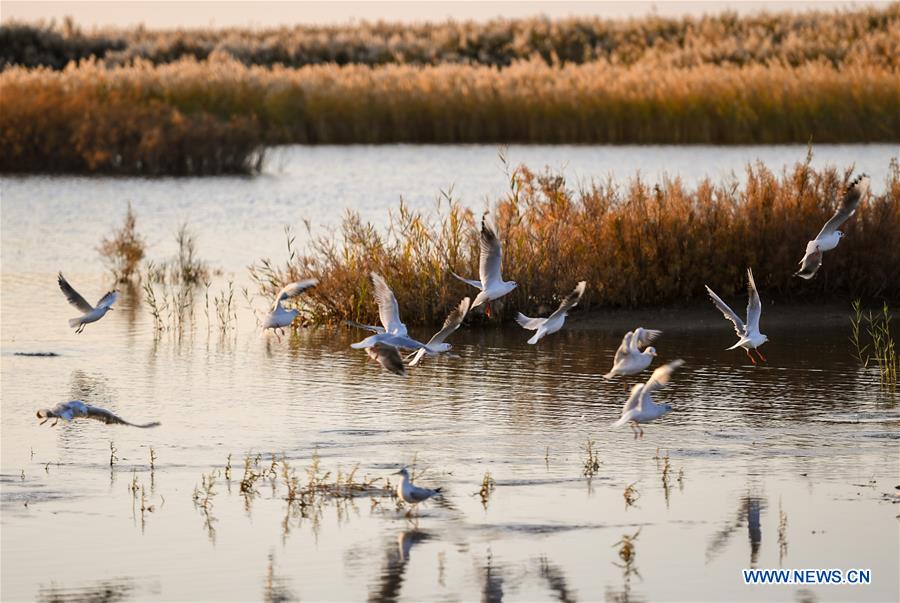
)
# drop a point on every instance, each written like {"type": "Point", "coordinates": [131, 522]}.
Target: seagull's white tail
{"type": "Point", "coordinates": [74, 322]}
{"type": "Point", "coordinates": [737, 345]}
{"type": "Point", "coordinates": [610, 374]}
{"type": "Point", "coordinates": [536, 337]}
{"type": "Point", "coordinates": [620, 422]}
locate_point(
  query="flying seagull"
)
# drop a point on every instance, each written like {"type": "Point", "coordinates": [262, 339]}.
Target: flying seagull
{"type": "Point", "coordinates": [829, 237]}
{"type": "Point", "coordinates": [278, 317]}
{"type": "Point", "coordinates": [388, 357]}
{"type": "Point", "coordinates": [77, 409]}
{"type": "Point", "coordinates": [451, 323]}
{"type": "Point", "coordinates": [388, 309]}
{"type": "Point", "coordinates": [554, 322]}
{"type": "Point", "coordinates": [91, 313]}
{"type": "Point", "coordinates": [750, 337]}
{"type": "Point", "coordinates": [410, 493]}
{"type": "Point", "coordinates": [629, 360]}
{"type": "Point", "coordinates": [492, 285]}
{"type": "Point", "coordinates": [640, 407]}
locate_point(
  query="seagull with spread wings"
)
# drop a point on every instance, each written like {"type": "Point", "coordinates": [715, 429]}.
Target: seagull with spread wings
{"type": "Point", "coordinates": [90, 313]}
{"type": "Point", "coordinates": [392, 333]}
{"type": "Point", "coordinates": [629, 359]}
{"type": "Point", "coordinates": [491, 285]}
{"type": "Point", "coordinates": [436, 343]}
{"type": "Point", "coordinates": [77, 409]}
{"type": "Point", "coordinates": [640, 407]}
{"type": "Point", "coordinates": [750, 337]}
{"type": "Point", "coordinates": [829, 237]}
{"type": "Point", "coordinates": [554, 322]}
{"type": "Point", "coordinates": [280, 317]}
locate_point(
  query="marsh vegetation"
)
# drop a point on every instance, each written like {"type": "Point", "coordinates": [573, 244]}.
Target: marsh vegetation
{"type": "Point", "coordinates": [197, 102]}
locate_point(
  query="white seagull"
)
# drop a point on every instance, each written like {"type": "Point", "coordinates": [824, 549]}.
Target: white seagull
{"type": "Point", "coordinates": [629, 360]}
{"type": "Point", "coordinates": [388, 309]}
{"type": "Point", "coordinates": [410, 493]}
{"type": "Point", "coordinates": [91, 313]}
{"type": "Point", "coordinates": [491, 285]}
{"type": "Point", "coordinates": [750, 337]}
{"type": "Point", "coordinates": [279, 317]}
{"type": "Point", "coordinates": [829, 237]}
{"type": "Point", "coordinates": [388, 357]}
{"type": "Point", "coordinates": [436, 343]}
{"type": "Point", "coordinates": [640, 407]}
{"type": "Point", "coordinates": [554, 322]}
{"type": "Point", "coordinates": [78, 409]}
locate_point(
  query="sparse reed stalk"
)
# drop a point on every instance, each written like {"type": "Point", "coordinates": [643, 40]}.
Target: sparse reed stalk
{"type": "Point", "coordinates": [882, 345]}
{"type": "Point", "coordinates": [856, 320]}
{"type": "Point", "coordinates": [124, 249]}
{"type": "Point", "coordinates": [591, 461]}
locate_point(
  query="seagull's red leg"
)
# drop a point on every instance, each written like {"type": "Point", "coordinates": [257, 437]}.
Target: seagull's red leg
{"type": "Point", "coordinates": [763, 358]}
{"type": "Point", "coordinates": [641, 430]}
{"type": "Point", "coordinates": [487, 309]}
{"type": "Point", "coordinates": [750, 356]}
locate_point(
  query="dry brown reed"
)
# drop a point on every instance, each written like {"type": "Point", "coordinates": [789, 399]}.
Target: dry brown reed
{"type": "Point", "coordinates": [636, 245]}
{"type": "Point", "coordinates": [839, 36]}
{"type": "Point", "coordinates": [124, 249]}
{"type": "Point", "coordinates": [192, 117]}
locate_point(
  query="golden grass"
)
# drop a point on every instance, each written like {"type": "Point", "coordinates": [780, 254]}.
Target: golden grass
{"type": "Point", "coordinates": [856, 36]}
{"type": "Point", "coordinates": [214, 116]}
{"type": "Point", "coordinates": [636, 245]}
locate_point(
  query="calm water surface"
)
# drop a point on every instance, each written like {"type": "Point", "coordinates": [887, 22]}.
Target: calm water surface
{"type": "Point", "coordinates": [793, 464]}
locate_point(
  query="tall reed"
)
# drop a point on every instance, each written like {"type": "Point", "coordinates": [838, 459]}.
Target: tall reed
{"type": "Point", "coordinates": [215, 116]}
{"type": "Point", "coordinates": [636, 245]}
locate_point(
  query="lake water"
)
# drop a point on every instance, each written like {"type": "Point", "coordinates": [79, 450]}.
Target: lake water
{"type": "Point", "coordinates": [792, 464]}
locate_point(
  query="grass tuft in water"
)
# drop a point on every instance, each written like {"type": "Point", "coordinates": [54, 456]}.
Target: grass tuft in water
{"type": "Point", "coordinates": [124, 249]}
{"type": "Point", "coordinates": [591, 460]}
{"type": "Point", "coordinates": [881, 342]}
{"type": "Point", "coordinates": [631, 495]}
{"type": "Point", "coordinates": [487, 488]}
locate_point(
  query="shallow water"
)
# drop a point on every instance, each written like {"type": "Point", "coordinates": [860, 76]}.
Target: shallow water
{"type": "Point", "coordinates": [808, 437]}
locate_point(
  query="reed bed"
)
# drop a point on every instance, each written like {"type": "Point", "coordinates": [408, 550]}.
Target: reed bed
{"type": "Point", "coordinates": [216, 116]}
{"type": "Point", "coordinates": [864, 35]}
{"type": "Point", "coordinates": [636, 245]}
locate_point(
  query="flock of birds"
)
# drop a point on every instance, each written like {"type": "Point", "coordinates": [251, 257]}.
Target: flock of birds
{"type": "Point", "coordinates": [634, 355]}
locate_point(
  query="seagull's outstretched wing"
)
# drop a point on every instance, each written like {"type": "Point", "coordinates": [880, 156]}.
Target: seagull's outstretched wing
{"type": "Point", "coordinates": [624, 348]}
{"type": "Point", "coordinates": [388, 309]}
{"type": "Point", "coordinates": [293, 290]}
{"type": "Point", "coordinates": [359, 325]}
{"type": "Point", "coordinates": [660, 377]}
{"type": "Point", "coordinates": [810, 264]}
{"type": "Point", "coordinates": [105, 416]}
{"type": "Point", "coordinates": [727, 312]}
{"type": "Point", "coordinates": [72, 295]}
{"type": "Point", "coordinates": [526, 322]}
{"type": "Point", "coordinates": [754, 305]}
{"type": "Point", "coordinates": [108, 300]}
{"type": "Point", "coordinates": [644, 337]}
{"type": "Point", "coordinates": [855, 192]}
{"type": "Point", "coordinates": [418, 494]}
{"type": "Point", "coordinates": [398, 341]}
{"type": "Point", "coordinates": [491, 254]}
{"type": "Point", "coordinates": [452, 322]}
{"type": "Point", "coordinates": [633, 403]}
{"type": "Point", "coordinates": [474, 283]}
{"type": "Point", "coordinates": [387, 356]}
{"type": "Point", "coordinates": [570, 301]}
